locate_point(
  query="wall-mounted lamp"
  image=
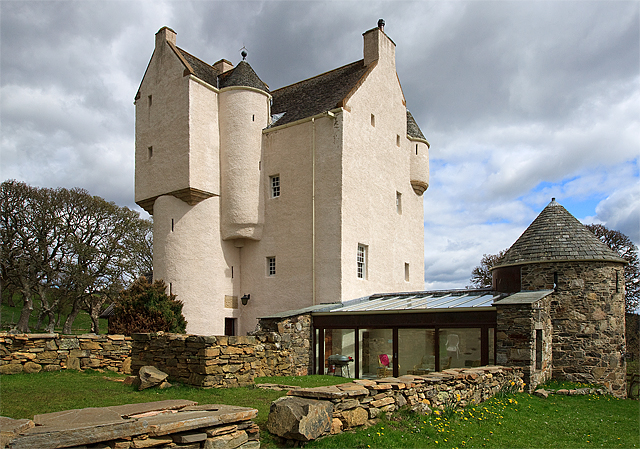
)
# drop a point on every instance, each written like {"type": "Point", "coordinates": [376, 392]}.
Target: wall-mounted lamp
{"type": "Point", "coordinates": [245, 299]}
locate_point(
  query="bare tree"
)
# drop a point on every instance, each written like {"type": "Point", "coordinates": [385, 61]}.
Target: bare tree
{"type": "Point", "coordinates": [66, 247]}
{"type": "Point", "coordinates": [623, 245]}
{"type": "Point", "coordinates": [481, 274]}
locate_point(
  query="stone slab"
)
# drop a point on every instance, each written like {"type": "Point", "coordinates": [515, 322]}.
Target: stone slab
{"type": "Point", "coordinates": [194, 419]}
{"type": "Point", "coordinates": [45, 438]}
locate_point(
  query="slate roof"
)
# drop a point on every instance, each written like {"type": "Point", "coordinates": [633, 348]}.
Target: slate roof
{"type": "Point", "coordinates": [242, 75]}
{"type": "Point", "coordinates": [557, 235]}
{"type": "Point", "coordinates": [297, 101]}
{"type": "Point", "coordinates": [413, 130]}
{"type": "Point", "coordinates": [318, 94]}
{"type": "Point", "coordinates": [201, 69]}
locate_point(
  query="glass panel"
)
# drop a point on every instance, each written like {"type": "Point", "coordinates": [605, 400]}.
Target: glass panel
{"type": "Point", "coordinates": [317, 354]}
{"type": "Point", "coordinates": [459, 348]}
{"type": "Point", "coordinates": [339, 352]}
{"type": "Point", "coordinates": [416, 351]}
{"type": "Point", "coordinates": [492, 357]}
{"type": "Point", "coordinates": [376, 353]}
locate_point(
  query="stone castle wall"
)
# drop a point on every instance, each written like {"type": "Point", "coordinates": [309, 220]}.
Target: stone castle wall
{"type": "Point", "coordinates": [587, 311]}
{"type": "Point", "coordinates": [32, 353]}
{"type": "Point", "coordinates": [519, 326]}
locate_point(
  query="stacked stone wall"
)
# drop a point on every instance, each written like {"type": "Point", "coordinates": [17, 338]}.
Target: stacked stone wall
{"type": "Point", "coordinates": [516, 342]}
{"type": "Point", "coordinates": [32, 353]}
{"type": "Point", "coordinates": [287, 346]}
{"type": "Point", "coordinates": [354, 403]}
{"type": "Point", "coordinates": [281, 348]}
{"type": "Point", "coordinates": [587, 311]}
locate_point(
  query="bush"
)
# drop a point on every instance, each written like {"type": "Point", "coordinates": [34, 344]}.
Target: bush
{"type": "Point", "coordinates": [146, 307]}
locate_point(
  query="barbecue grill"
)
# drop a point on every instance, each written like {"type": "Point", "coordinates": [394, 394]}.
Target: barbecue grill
{"type": "Point", "coordinates": [340, 361]}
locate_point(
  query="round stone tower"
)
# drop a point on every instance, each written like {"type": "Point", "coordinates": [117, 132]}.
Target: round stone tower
{"type": "Point", "coordinates": [557, 252]}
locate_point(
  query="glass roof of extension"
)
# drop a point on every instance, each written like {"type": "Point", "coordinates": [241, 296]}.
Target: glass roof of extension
{"type": "Point", "coordinates": [421, 301]}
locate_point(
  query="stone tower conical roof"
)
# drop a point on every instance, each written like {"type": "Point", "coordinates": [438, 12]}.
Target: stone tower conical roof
{"type": "Point", "coordinates": [242, 75]}
{"type": "Point", "coordinates": [556, 235]}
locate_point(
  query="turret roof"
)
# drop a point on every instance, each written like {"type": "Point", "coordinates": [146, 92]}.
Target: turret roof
{"type": "Point", "coordinates": [413, 130]}
{"type": "Point", "coordinates": [556, 235]}
{"type": "Point", "coordinates": [242, 75]}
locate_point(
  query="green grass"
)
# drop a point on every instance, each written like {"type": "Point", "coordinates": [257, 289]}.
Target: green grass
{"type": "Point", "coordinates": [513, 420]}
{"type": "Point", "coordinates": [516, 421]}
{"type": "Point", "coordinates": [9, 317]}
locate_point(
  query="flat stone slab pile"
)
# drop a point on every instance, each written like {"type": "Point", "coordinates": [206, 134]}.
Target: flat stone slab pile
{"type": "Point", "coordinates": [164, 424]}
{"type": "Point", "coordinates": [309, 413]}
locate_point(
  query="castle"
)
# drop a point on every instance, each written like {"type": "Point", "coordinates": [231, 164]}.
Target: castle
{"type": "Point", "coordinates": [265, 201]}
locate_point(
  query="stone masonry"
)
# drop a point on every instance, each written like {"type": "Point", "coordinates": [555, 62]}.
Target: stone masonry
{"type": "Point", "coordinates": [356, 402]}
{"type": "Point", "coordinates": [587, 312]}
{"type": "Point", "coordinates": [32, 353]}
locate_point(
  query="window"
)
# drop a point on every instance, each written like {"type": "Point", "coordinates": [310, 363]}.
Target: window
{"type": "Point", "coordinates": [397, 140]}
{"type": "Point", "coordinates": [150, 152]}
{"type": "Point", "coordinates": [271, 266]}
{"type": "Point", "coordinates": [274, 182]}
{"type": "Point", "coordinates": [406, 271]}
{"type": "Point", "coordinates": [416, 149]}
{"type": "Point", "coordinates": [373, 120]}
{"type": "Point", "coordinates": [150, 98]}
{"type": "Point", "coordinates": [230, 326]}
{"type": "Point", "coordinates": [399, 202]}
{"type": "Point", "coordinates": [362, 261]}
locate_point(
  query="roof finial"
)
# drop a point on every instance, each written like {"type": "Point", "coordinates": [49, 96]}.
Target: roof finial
{"type": "Point", "coordinates": [381, 24]}
{"type": "Point", "coordinates": [243, 52]}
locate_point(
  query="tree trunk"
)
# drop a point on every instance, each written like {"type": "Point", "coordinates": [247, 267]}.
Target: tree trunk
{"type": "Point", "coordinates": [95, 321]}
{"type": "Point", "coordinates": [66, 329]}
{"type": "Point", "coordinates": [25, 313]}
{"type": "Point", "coordinates": [52, 322]}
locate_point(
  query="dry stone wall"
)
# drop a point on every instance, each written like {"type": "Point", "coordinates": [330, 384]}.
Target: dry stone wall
{"type": "Point", "coordinates": [353, 404]}
{"type": "Point", "coordinates": [32, 353]}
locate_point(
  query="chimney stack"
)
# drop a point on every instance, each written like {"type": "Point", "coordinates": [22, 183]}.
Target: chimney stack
{"type": "Point", "coordinates": [165, 34]}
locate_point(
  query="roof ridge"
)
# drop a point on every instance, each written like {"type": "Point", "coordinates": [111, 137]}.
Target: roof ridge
{"type": "Point", "coordinates": [317, 76]}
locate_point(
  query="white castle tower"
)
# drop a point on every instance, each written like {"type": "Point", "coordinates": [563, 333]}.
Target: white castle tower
{"type": "Point", "coordinates": [265, 201]}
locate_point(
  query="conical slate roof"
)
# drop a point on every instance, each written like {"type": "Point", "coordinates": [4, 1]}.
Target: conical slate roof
{"type": "Point", "coordinates": [556, 235]}
{"type": "Point", "coordinates": [242, 75]}
{"type": "Point", "coordinates": [413, 130]}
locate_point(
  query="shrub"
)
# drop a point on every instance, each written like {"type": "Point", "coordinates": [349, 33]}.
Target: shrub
{"type": "Point", "coordinates": [145, 307]}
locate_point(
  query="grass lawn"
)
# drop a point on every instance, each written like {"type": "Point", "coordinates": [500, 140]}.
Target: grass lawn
{"type": "Point", "coordinates": [518, 420]}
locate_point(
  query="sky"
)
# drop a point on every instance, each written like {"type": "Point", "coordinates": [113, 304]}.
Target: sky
{"type": "Point", "coordinates": [521, 101]}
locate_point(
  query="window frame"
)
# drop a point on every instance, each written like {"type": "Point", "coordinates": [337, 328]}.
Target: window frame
{"type": "Point", "coordinates": [274, 186]}
{"type": "Point", "coordinates": [361, 261]}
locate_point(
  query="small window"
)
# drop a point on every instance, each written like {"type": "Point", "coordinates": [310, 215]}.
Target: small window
{"type": "Point", "coordinates": [397, 140]}
{"type": "Point", "coordinates": [406, 272]}
{"type": "Point", "coordinates": [172, 225]}
{"type": "Point", "coordinates": [274, 182]}
{"type": "Point", "coordinates": [361, 259]}
{"type": "Point", "coordinates": [150, 99]}
{"type": "Point", "coordinates": [399, 202]}
{"type": "Point", "coordinates": [230, 326]}
{"type": "Point", "coordinates": [253, 118]}
{"type": "Point", "coordinates": [271, 266]}
{"type": "Point", "coordinates": [373, 120]}
{"type": "Point", "coordinates": [538, 361]}
{"type": "Point", "coordinates": [150, 152]}
{"type": "Point", "coordinates": [416, 149]}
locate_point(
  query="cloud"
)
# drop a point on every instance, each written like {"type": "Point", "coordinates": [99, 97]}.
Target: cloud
{"type": "Point", "coordinates": [521, 100]}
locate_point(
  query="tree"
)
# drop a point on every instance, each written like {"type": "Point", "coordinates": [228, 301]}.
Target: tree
{"type": "Point", "coordinates": [145, 307]}
{"type": "Point", "coordinates": [67, 248]}
{"type": "Point", "coordinates": [623, 245]}
{"type": "Point", "coordinates": [481, 275]}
